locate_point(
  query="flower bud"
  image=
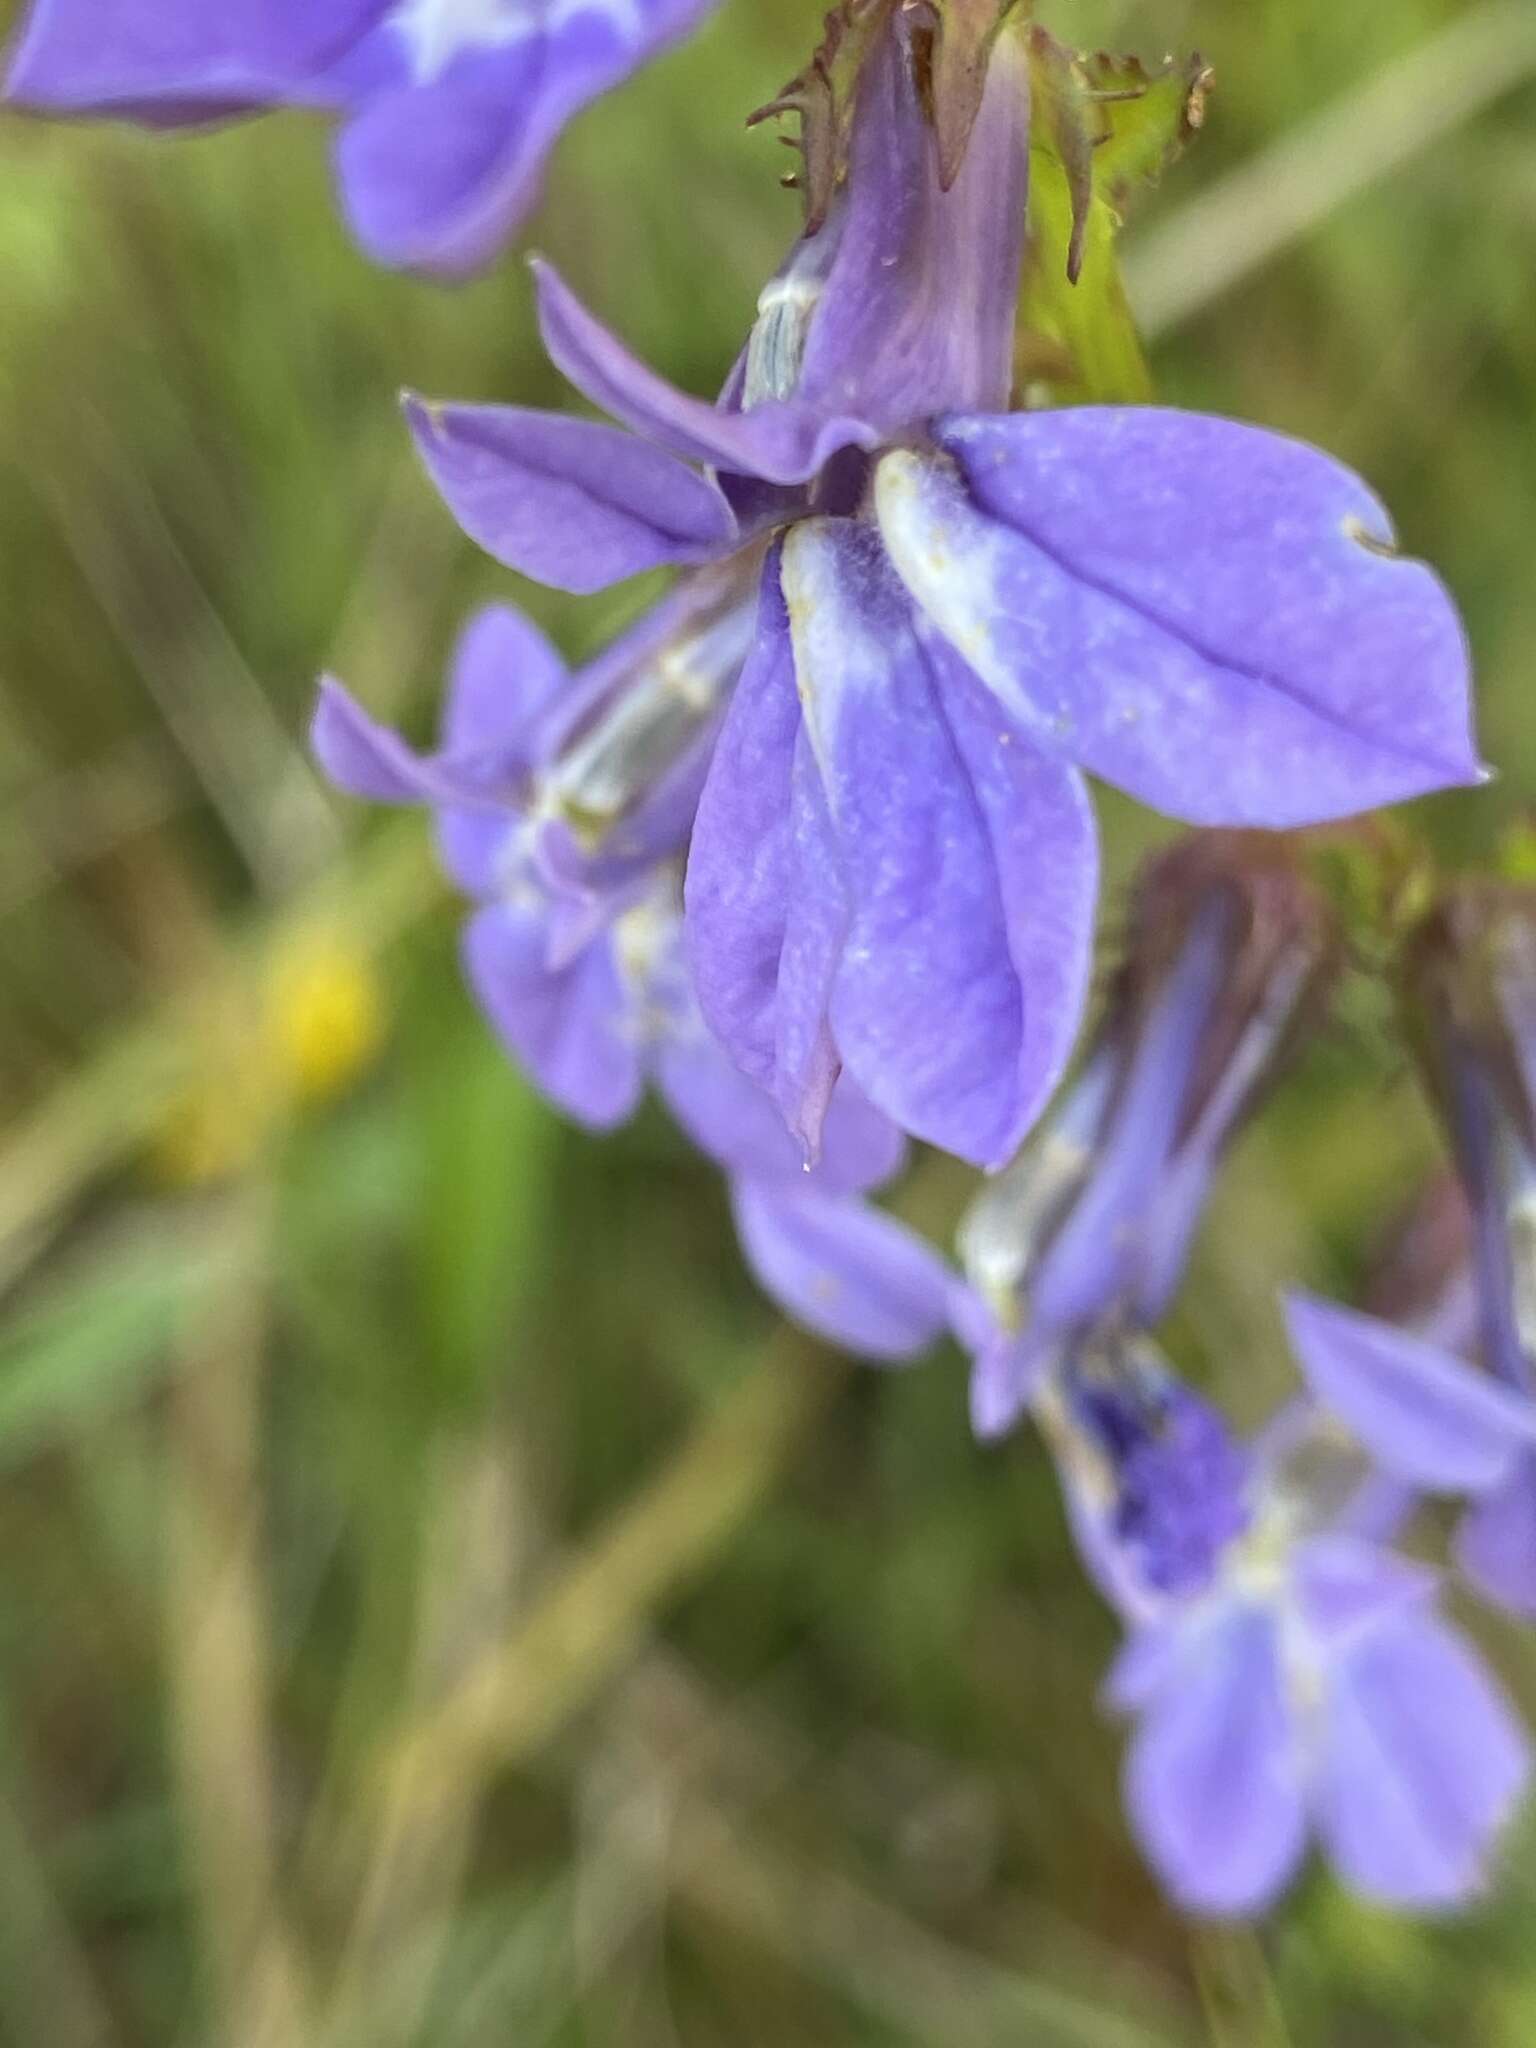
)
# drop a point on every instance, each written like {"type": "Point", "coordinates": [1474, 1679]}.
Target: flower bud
{"type": "Point", "coordinates": [1469, 983]}
{"type": "Point", "coordinates": [1229, 959]}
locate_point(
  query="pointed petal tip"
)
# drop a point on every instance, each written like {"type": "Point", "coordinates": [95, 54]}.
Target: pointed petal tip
{"type": "Point", "coordinates": [423, 420]}
{"type": "Point", "coordinates": [1422, 1413]}
{"type": "Point", "coordinates": [330, 695]}
{"type": "Point", "coordinates": [333, 700]}
{"type": "Point", "coordinates": [1465, 769]}
{"type": "Point", "coordinates": [355, 755]}
{"type": "Point", "coordinates": [806, 1132]}
{"type": "Point", "coordinates": [991, 1420]}
{"type": "Point", "coordinates": [427, 418]}
{"type": "Point", "coordinates": [1001, 1389]}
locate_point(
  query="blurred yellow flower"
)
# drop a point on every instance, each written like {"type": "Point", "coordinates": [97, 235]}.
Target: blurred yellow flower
{"type": "Point", "coordinates": [325, 1016]}
{"type": "Point", "coordinates": [316, 1023]}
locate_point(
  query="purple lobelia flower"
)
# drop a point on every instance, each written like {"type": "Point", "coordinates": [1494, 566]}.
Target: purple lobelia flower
{"type": "Point", "coordinates": [558, 797]}
{"type": "Point", "coordinates": [1312, 1687]}
{"type": "Point", "coordinates": [1286, 1671]}
{"type": "Point", "coordinates": [1294, 1677]}
{"type": "Point", "coordinates": [893, 869]}
{"type": "Point", "coordinates": [449, 107]}
{"type": "Point", "coordinates": [1230, 956]}
{"type": "Point", "coordinates": [563, 805]}
{"type": "Point", "coordinates": [1470, 980]}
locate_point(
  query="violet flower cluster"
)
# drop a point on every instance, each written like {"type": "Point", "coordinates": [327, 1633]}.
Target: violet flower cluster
{"type": "Point", "coordinates": [1286, 1669]}
{"type": "Point", "coordinates": [812, 850]}
{"type": "Point", "coordinates": [810, 853]}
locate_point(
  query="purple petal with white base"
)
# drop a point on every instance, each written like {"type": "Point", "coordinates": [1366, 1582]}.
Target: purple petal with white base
{"type": "Point", "coordinates": [1421, 1413]}
{"type": "Point", "coordinates": [575, 504]}
{"type": "Point", "coordinates": [446, 153]}
{"type": "Point", "coordinates": [848, 1272]}
{"type": "Point", "coordinates": [739, 864]}
{"type": "Point", "coordinates": [969, 863]}
{"type": "Point", "coordinates": [765, 911]}
{"type": "Point", "coordinates": [806, 1059]}
{"type": "Point", "coordinates": [1325, 1689]}
{"type": "Point", "coordinates": [1202, 613]}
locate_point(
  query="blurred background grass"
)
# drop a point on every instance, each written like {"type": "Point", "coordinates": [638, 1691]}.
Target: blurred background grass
{"type": "Point", "coordinates": [438, 1605]}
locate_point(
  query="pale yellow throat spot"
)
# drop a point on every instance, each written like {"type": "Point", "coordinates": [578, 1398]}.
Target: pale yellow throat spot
{"type": "Point", "coordinates": [951, 585]}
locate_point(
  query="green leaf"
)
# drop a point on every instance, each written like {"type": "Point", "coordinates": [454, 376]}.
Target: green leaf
{"type": "Point", "coordinates": [486, 1147]}
{"type": "Point", "coordinates": [99, 1341]}
{"type": "Point", "coordinates": [1102, 127]}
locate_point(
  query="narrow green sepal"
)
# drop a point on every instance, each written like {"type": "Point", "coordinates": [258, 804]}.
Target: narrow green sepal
{"type": "Point", "coordinates": [824, 96]}
{"type": "Point", "coordinates": [963, 43]}
{"type": "Point", "coordinates": [1102, 126]}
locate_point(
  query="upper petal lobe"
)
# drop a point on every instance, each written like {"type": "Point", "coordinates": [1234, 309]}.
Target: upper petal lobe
{"type": "Point", "coordinates": [569, 502]}
{"type": "Point", "coordinates": [776, 442]}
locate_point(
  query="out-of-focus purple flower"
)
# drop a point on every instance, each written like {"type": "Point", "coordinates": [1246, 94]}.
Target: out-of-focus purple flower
{"type": "Point", "coordinates": [894, 863]}
{"type": "Point", "coordinates": [563, 804]}
{"type": "Point", "coordinates": [1292, 1678]}
{"type": "Point", "coordinates": [449, 107]}
{"type": "Point", "coordinates": [1313, 1689]}
{"type": "Point", "coordinates": [556, 798]}
{"type": "Point", "coordinates": [839, 1266]}
{"type": "Point", "coordinates": [1230, 954]}
{"type": "Point", "coordinates": [1470, 987]}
